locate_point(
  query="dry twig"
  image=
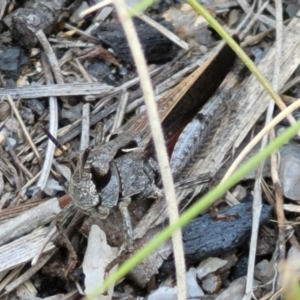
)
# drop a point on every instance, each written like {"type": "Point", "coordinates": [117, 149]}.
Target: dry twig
{"type": "Point", "coordinates": [53, 126]}
{"type": "Point", "coordinates": [27, 135]}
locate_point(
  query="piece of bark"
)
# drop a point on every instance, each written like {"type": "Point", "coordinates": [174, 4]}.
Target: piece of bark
{"type": "Point", "coordinates": [29, 220]}
{"type": "Point", "coordinates": [36, 15]}
{"type": "Point", "coordinates": [23, 249]}
{"type": "Point", "coordinates": [157, 48]}
{"type": "Point", "coordinates": [205, 237]}
{"type": "Point", "coordinates": [11, 59]}
{"type": "Point", "coordinates": [59, 90]}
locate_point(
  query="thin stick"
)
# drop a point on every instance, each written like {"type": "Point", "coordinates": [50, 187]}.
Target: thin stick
{"type": "Point", "coordinates": [253, 20]}
{"type": "Point", "coordinates": [259, 136]}
{"type": "Point", "coordinates": [13, 172]}
{"type": "Point", "coordinates": [97, 6]}
{"type": "Point", "coordinates": [264, 19]}
{"type": "Point", "coordinates": [279, 203]}
{"type": "Point", "coordinates": [53, 127]}
{"type": "Point", "coordinates": [17, 161]}
{"type": "Point", "coordinates": [13, 274]}
{"type": "Point", "coordinates": [158, 139]}
{"type": "Point", "coordinates": [257, 200]}
{"type": "Point", "coordinates": [120, 111]}
{"type": "Point", "coordinates": [167, 33]}
{"type": "Point", "coordinates": [85, 127]}
{"type": "Point", "coordinates": [274, 163]}
{"type": "Point", "coordinates": [51, 59]}
{"type": "Point", "coordinates": [82, 33]}
{"type": "Point", "coordinates": [31, 181]}
{"type": "Point", "coordinates": [29, 273]}
{"type": "Point", "coordinates": [27, 135]}
{"type": "Point", "coordinates": [256, 38]}
{"type": "Point", "coordinates": [43, 245]}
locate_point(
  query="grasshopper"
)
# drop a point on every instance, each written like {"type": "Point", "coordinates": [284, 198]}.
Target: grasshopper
{"type": "Point", "coordinates": [105, 177]}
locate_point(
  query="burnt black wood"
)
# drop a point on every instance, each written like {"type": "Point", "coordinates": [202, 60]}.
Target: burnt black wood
{"type": "Point", "coordinates": [205, 237]}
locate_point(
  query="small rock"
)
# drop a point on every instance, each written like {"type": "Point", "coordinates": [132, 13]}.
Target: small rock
{"type": "Point", "coordinates": [294, 256]}
{"type": "Point", "coordinates": [36, 105]}
{"type": "Point", "coordinates": [280, 131]}
{"type": "Point", "coordinates": [97, 68]}
{"type": "Point", "coordinates": [187, 23]}
{"type": "Point", "coordinates": [292, 9]}
{"type": "Point", "coordinates": [27, 115]}
{"type": "Point", "coordinates": [4, 110]}
{"type": "Point", "coordinates": [290, 176]}
{"type": "Point", "coordinates": [258, 53]}
{"type": "Point", "coordinates": [72, 114]}
{"type": "Point", "coordinates": [12, 142]}
{"type": "Point", "coordinates": [235, 291]}
{"type": "Point", "coordinates": [234, 16]}
{"type": "Point", "coordinates": [240, 268]}
{"type": "Point", "coordinates": [266, 243]}
{"type": "Point", "coordinates": [211, 283]}
{"type": "Point", "coordinates": [231, 259]}
{"type": "Point", "coordinates": [52, 187]}
{"type": "Point", "coordinates": [97, 256]}
{"type": "Point", "coordinates": [12, 124]}
{"type": "Point", "coordinates": [201, 243]}
{"type": "Point", "coordinates": [239, 192]}
{"type": "Point", "coordinates": [11, 59]}
{"type": "Point", "coordinates": [164, 293]}
{"type": "Point", "coordinates": [264, 271]}
{"type": "Point", "coordinates": [193, 289]}
{"type": "Point", "coordinates": [209, 266]}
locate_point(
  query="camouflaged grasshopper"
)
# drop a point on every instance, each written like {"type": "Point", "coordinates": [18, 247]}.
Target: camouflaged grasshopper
{"type": "Point", "coordinates": [106, 177]}
{"type": "Point", "coordinates": [109, 175]}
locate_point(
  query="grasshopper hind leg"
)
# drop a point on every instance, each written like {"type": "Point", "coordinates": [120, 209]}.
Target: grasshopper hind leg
{"type": "Point", "coordinates": [65, 222]}
{"type": "Point", "coordinates": [128, 244]}
{"type": "Point", "coordinates": [123, 206]}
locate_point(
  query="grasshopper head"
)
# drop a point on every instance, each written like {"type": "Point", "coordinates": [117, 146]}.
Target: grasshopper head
{"type": "Point", "coordinates": [82, 188]}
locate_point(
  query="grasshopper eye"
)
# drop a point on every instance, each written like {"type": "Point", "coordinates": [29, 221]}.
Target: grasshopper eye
{"type": "Point", "coordinates": [100, 181]}
{"type": "Point", "coordinates": [100, 166]}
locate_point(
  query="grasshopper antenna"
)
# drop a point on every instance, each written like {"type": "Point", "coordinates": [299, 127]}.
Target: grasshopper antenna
{"type": "Point", "coordinates": [84, 158]}
{"type": "Point", "coordinates": [58, 145]}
